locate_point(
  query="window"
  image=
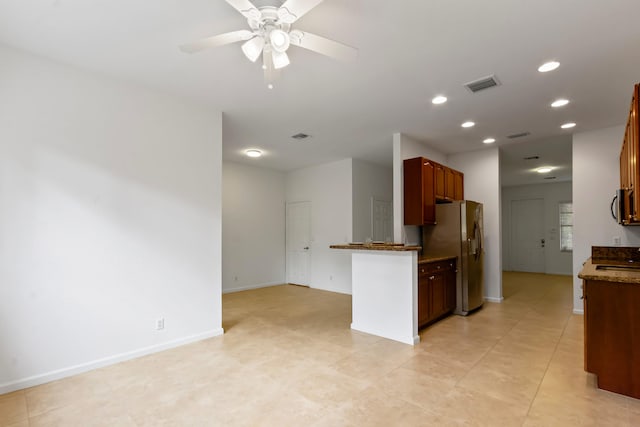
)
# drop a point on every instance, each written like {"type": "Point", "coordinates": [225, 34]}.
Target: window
{"type": "Point", "coordinates": [566, 227]}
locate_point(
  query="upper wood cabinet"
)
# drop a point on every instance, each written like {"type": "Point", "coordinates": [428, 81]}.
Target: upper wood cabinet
{"type": "Point", "coordinates": [426, 182]}
{"type": "Point", "coordinates": [419, 191]}
{"type": "Point", "coordinates": [629, 168]}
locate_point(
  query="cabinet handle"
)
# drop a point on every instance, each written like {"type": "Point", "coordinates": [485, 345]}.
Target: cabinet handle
{"type": "Point", "coordinates": [422, 270]}
{"type": "Point", "coordinates": [432, 277]}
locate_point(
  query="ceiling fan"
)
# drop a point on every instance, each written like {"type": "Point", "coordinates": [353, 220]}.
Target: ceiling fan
{"type": "Point", "coordinates": [270, 36]}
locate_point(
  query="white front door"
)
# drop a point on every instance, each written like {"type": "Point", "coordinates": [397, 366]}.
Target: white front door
{"type": "Point", "coordinates": [298, 243]}
{"type": "Point", "coordinates": [381, 224]}
{"type": "Point", "coordinates": [527, 235]}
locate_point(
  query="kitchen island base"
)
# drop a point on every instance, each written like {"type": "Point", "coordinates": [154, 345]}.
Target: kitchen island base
{"type": "Point", "coordinates": [384, 294]}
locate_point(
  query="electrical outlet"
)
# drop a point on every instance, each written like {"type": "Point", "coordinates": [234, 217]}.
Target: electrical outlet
{"type": "Point", "coordinates": [235, 278]}
{"type": "Point", "coordinates": [616, 241]}
{"type": "Point", "coordinates": [330, 277]}
{"type": "Point", "coordinates": [160, 324]}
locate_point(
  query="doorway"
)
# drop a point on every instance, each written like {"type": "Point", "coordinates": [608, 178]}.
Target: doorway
{"type": "Point", "coordinates": [527, 235]}
{"type": "Point", "coordinates": [381, 223]}
{"type": "Point", "coordinates": [298, 243]}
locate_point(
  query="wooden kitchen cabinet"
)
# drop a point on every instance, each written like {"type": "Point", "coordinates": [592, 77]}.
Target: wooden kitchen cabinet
{"type": "Point", "coordinates": [612, 335]}
{"type": "Point", "coordinates": [440, 189]}
{"type": "Point", "coordinates": [419, 191]}
{"type": "Point", "coordinates": [436, 290]}
{"type": "Point", "coordinates": [629, 158]}
{"type": "Point", "coordinates": [425, 183]}
{"type": "Point", "coordinates": [458, 185]}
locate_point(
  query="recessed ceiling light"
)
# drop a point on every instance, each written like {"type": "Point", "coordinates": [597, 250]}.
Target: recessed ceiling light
{"type": "Point", "coordinates": [253, 153]}
{"type": "Point", "coordinates": [568, 125]}
{"type": "Point", "coordinates": [548, 66]}
{"type": "Point", "coordinates": [544, 169]}
{"type": "Point", "coordinates": [468, 124]}
{"type": "Point", "coordinates": [270, 86]}
{"type": "Point", "coordinates": [489, 140]}
{"type": "Point", "coordinates": [440, 99]}
{"type": "Point", "coordinates": [559, 103]}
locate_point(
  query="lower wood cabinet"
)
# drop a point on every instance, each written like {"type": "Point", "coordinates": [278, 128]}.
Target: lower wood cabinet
{"type": "Point", "coordinates": [436, 290]}
{"type": "Point", "coordinates": [612, 335]}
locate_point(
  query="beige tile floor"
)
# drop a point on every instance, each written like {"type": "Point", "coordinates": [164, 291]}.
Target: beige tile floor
{"type": "Point", "coordinates": [288, 358]}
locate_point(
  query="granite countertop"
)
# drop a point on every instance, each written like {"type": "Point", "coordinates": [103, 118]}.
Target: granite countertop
{"type": "Point", "coordinates": [396, 247]}
{"type": "Point", "coordinates": [428, 259]}
{"type": "Point", "coordinates": [614, 273]}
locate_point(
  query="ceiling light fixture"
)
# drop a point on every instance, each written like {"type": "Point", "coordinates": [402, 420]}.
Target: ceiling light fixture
{"type": "Point", "coordinates": [544, 169]}
{"type": "Point", "coordinates": [568, 125]}
{"type": "Point", "coordinates": [489, 141]}
{"type": "Point", "coordinates": [468, 124]}
{"type": "Point", "coordinates": [253, 153]}
{"type": "Point", "coordinates": [270, 33]}
{"type": "Point", "coordinates": [548, 66]}
{"type": "Point", "coordinates": [253, 48]}
{"type": "Point", "coordinates": [559, 103]}
{"type": "Point", "coordinates": [440, 99]}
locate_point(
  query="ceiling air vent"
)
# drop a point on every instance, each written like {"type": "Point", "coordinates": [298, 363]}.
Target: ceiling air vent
{"type": "Point", "coordinates": [482, 84]}
{"type": "Point", "coordinates": [531, 158]}
{"type": "Point", "coordinates": [518, 135]}
{"type": "Point", "coordinates": [300, 136]}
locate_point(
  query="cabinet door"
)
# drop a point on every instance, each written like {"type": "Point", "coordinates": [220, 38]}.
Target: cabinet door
{"type": "Point", "coordinates": [419, 191]}
{"type": "Point", "coordinates": [428, 189]}
{"type": "Point", "coordinates": [424, 312]}
{"type": "Point", "coordinates": [450, 190]}
{"type": "Point", "coordinates": [440, 181]}
{"type": "Point", "coordinates": [438, 294]}
{"type": "Point", "coordinates": [450, 287]}
{"type": "Point", "coordinates": [458, 185]}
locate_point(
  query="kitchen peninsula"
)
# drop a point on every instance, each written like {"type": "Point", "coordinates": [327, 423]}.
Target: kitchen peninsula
{"type": "Point", "coordinates": [611, 294]}
{"type": "Point", "coordinates": [386, 298]}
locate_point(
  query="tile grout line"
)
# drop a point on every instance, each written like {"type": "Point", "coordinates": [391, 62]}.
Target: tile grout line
{"type": "Point", "coordinates": [555, 349]}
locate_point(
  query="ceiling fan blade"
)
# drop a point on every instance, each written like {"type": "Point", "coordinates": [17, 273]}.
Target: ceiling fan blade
{"type": "Point", "coordinates": [246, 8]}
{"type": "Point", "coordinates": [323, 45]}
{"type": "Point", "coordinates": [219, 40]}
{"type": "Point", "coordinates": [292, 10]}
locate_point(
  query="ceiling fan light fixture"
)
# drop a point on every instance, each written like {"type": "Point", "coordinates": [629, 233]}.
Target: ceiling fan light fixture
{"type": "Point", "coordinates": [280, 59]}
{"type": "Point", "coordinates": [279, 40]}
{"type": "Point", "coordinates": [253, 48]}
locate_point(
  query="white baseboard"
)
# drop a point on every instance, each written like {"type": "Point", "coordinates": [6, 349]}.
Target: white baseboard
{"type": "Point", "coordinates": [84, 367]}
{"type": "Point", "coordinates": [330, 289]}
{"type": "Point", "coordinates": [576, 311]}
{"type": "Point", "coordinates": [249, 287]}
{"type": "Point", "coordinates": [493, 299]}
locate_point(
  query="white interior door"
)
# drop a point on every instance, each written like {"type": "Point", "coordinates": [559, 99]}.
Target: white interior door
{"type": "Point", "coordinates": [381, 220]}
{"type": "Point", "coordinates": [527, 235]}
{"type": "Point", "coordinates": [298, 243]}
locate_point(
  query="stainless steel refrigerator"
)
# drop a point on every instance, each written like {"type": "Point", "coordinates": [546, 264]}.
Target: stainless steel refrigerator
{"type": "Point", "coordinates": [459, 231]}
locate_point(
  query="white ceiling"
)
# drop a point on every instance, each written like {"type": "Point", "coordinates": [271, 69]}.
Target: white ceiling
{"type": "Point", "coordinates": [410, 50]}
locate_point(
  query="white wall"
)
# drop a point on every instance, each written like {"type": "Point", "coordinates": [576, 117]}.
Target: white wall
{"type": "Point", "coordinates": [596, 177]}
{"type": "Point", "coordinates": [405, 147]}
{"type": "Point", "coordinates": [253, 227]}
{"type": "Point", "coordinates": [556, 261]}
{"type": "Point", "coordinates": [368, 181]}
{"type": "Point", "coordinates": [329, 189]}
{"type": "Point", "coordinates": [110, 218]}
{"type": "Point", "coordinates": [482, 184]}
